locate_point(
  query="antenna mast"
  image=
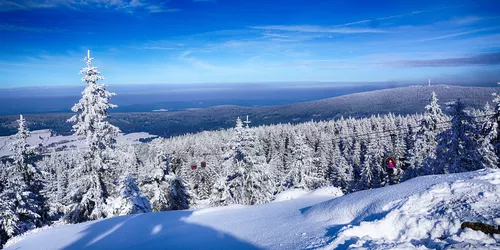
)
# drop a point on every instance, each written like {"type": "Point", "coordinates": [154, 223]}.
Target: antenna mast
{"type": "Point", "coordinates": [247, 121]}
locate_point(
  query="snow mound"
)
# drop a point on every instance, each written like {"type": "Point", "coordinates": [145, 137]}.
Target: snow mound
{"type": "Point", "coordinates": [432, 219]}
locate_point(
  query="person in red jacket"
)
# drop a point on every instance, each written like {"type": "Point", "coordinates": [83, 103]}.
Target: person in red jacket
{"type": "Point", "coordinates": [392, 170]}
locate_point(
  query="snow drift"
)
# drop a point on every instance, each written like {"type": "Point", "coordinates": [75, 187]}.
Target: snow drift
{"type": "Point", "coordinates": [425, 212]}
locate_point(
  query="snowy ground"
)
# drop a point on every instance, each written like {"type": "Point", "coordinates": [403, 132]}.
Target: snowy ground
{"type": "Point", "coordinates": [422, 213]}
{"type": "Point", "coordinates": [60, 142]}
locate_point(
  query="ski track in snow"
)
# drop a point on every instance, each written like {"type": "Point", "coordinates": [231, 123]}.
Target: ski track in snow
{"type": "Point", "coordinates": [423, 213]}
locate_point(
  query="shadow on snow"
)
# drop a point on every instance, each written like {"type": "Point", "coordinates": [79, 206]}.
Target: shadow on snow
{"type": "Point", "coordinates": [162, 230]}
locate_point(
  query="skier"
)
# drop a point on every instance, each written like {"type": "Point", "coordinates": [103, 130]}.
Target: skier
{"type": "Point", "coordinates": [393, 171]}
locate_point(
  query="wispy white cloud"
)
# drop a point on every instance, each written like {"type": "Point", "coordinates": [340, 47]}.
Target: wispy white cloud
{"type": "Point", "coordinates": [198, 63]}
{"type": "Point", "coordinates": [465, 20]}
{"type": "Point", "coordinates": [317, 29]}
{"type": "Point", "coordinates": [121, 5]}
{"type": "Point", "coordinates": [457, 34]}
{"type": "Point", "coordinates": [379, 19]}
{"type": "Point", "coordinates": [11, 27]}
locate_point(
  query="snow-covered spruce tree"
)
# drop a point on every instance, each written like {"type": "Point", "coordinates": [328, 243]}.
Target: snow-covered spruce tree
{"type": "Point", "coordinates": [425, 140]}
{"type": "Point", "coordinates": [164, 189]}
{"type": "Point", "coordinates": [23, 207]}
{"type": "Point", "coordinates": [20, 208]}
{"type": "Point", "coordinates": [100, 137]}
{"type": "Point", "coordinates": [3, 176]}
{"type": "Point", "coordinates": [303, 173]}
{"type": "Point", "coordinates": [340, 171]}
{"type": "Point", "coordinates": [130, 199]}
{"type": "Point", "coordinates": [247, 178]}
{"type": "Point", "coordinates": [23, 154]}
{"type": "Point", "coordinates": [457, 150]}
{"type": "Point", "coordinates": [59, 190]}
{"type": "Point", "coordinates": [258, 182]}
{"type": "Point", "coordinates": [128, 160]}
{"type": "Point", "coordinates": [9, 218]}
{"type": "Point", "coordinates": [229, 184]}
{"type": "Point", "coordinates": [372, 172]}
{"type": "Point", "coordinates": [490, 143]}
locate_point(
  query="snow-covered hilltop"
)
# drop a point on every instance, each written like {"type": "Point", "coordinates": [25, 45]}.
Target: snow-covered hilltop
{"type": "Point", "coordinates": [425, 212]}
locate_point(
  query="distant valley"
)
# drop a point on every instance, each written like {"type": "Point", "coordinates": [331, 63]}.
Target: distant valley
{"type": "Point", "coordinates": [401, 100]}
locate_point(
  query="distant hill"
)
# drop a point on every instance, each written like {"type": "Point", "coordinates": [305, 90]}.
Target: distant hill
{"type": "Point", "coordinates": [403, 100]}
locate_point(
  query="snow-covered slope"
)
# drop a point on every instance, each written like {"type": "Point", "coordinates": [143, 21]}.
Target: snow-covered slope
{"type": "Point", "coordinates": [60, 142]}
{"type": "Point", "coordinates": [425, 212]}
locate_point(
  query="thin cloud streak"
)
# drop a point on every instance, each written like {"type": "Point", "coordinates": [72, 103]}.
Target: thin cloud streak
{"type": "Point", "coordinates": [120, 5]}
{"type": "Point", "coordinates": [317, 29]}
{"type": "Point", "coordinates": [11, 27]}
{"type": "Point", "coordinates": [380, 18]}
{"type": "Point", "coordinates": [457, 34]}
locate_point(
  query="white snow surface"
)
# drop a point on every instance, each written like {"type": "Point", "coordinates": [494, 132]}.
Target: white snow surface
{"type": "Point", "coordinates": [60, 142]}
{"type": "Point", "coordinates": [422, 213]}
{"type": "Point", "coordinates": [290, 194]}
{"type": "Point", "coordinates": [296, 193]}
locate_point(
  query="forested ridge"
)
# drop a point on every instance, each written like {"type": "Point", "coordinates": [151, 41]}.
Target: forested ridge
{"type": "Point", "coordinates": [399, 101]}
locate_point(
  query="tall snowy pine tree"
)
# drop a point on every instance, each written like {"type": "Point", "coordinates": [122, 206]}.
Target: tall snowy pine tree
{"type": "Point", "coordinates": [247, 179]}
{"type": "Point", "coordinates": [425, 140]}
{"type": "Point", "coordinates": [22, 207]}
{"type": "Point", "coordinates": [100, 137]}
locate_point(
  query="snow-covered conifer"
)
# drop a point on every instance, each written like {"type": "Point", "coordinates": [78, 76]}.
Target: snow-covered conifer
{"type": "Point", "coordinates": [23, 153]}
{"type": "Point", "coordinates": [164, 189]}
{"type": "Point", "coordinates": [100, 137]}
{"type": "Point", "coordinates": [341, 173]}
{"type": "Point", "coordinates": [303, 173]}
{"type": "Point", "coordinates": [130, 199]}
{"type": "Point", "coordinates": [92, 111]}
{"type": "Point", "coordinates": [457, 150]}
{"type": "Point", "coordinates": [9, 218]}
{"type": "Point", "coordinates": [247, 179]}
{"type": "Point", "coordinates": [490, 143]}
{"type": "Point", "coordinates": [373, 172]}
{"type": "Point", "coordinates": [24, 204]}
{"type": "Point", "coordinates": [20, 208]}
{"type": "Point", "coordinates": [425, 140]}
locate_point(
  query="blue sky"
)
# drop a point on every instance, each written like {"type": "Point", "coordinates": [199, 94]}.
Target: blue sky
{"type": "Point", "coordinates": [43, 42]}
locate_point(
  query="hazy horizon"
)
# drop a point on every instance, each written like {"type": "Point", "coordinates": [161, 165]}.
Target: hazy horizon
{"type": "Point", "coordinates": [165, 97]}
